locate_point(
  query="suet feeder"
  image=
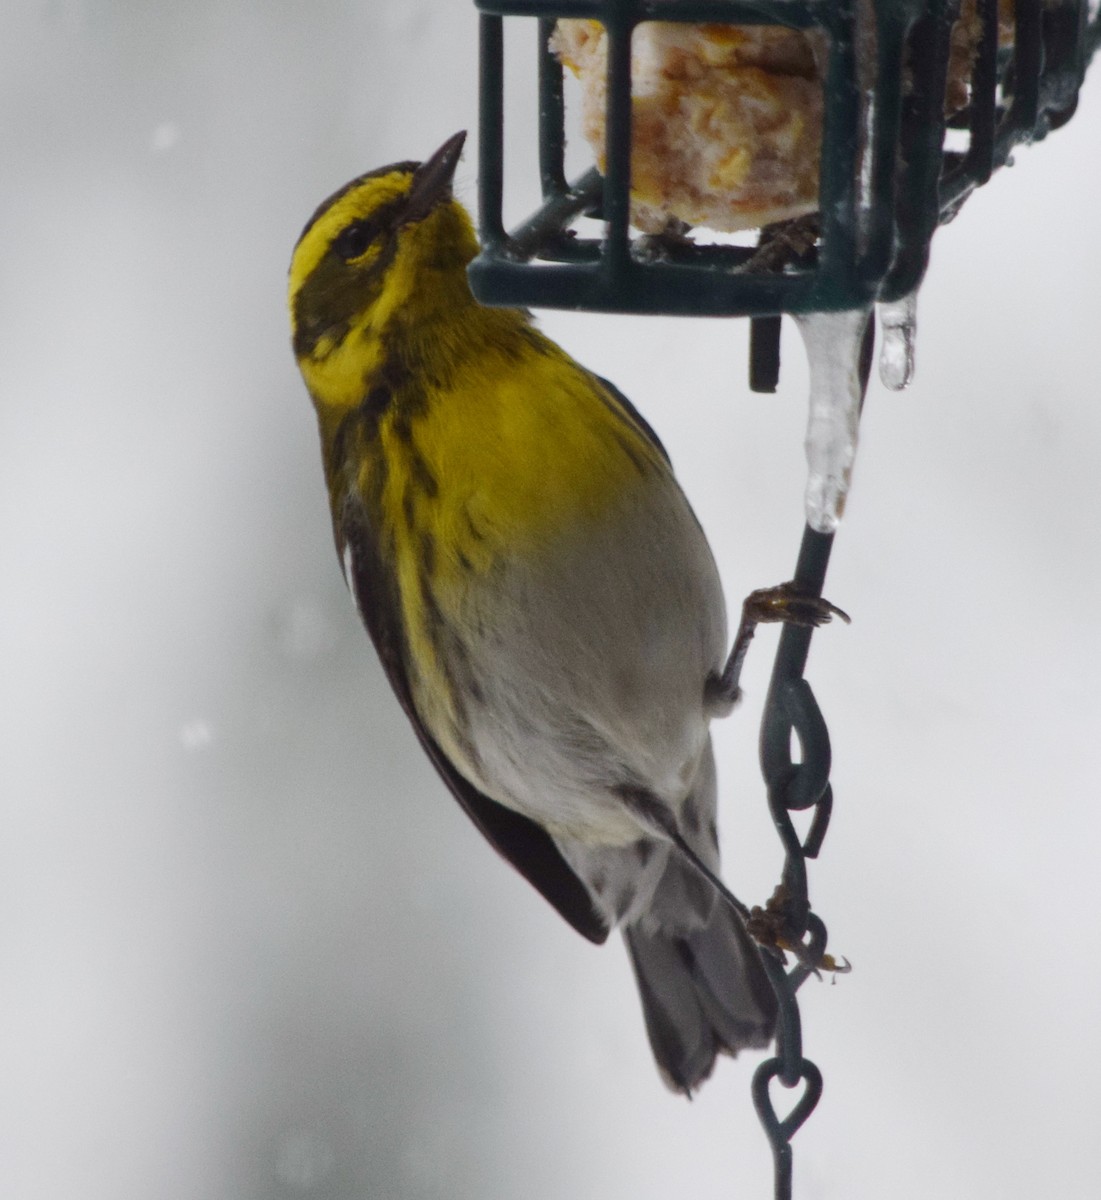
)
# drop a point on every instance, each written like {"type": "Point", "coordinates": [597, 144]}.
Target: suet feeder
{"type": "Point", "coordinates": [888, 174]}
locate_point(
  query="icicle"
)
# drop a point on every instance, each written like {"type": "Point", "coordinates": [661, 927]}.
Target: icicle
{"type": "Point", "coordinates": [833, 342]}
{"type": "Point", "coordinates": [898, 323]}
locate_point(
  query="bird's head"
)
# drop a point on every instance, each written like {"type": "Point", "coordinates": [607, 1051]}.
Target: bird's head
{"type": "Point", "coordinates": [392, 243]}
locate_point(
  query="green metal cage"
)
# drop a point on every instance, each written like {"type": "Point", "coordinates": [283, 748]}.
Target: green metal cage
{"type": "Point", "coordinates": [886, 179]}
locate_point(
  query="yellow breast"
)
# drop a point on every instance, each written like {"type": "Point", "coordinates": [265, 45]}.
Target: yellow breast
{"type": "Point", "coordinates": [506, 464]}
{"type": "Point", "coordinates": [506, 460]}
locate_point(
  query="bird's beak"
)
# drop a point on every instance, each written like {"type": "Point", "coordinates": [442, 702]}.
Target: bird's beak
{"type": "Point", "coordinates": [432, 179]}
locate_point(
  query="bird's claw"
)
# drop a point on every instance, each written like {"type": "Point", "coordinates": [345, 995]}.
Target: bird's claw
{"type": "Point", "coordinates": [780, 927]}
{"type": "Point", "coordinates": [788, 603]}
{"type": "Point", "coordinates": [805, 958]}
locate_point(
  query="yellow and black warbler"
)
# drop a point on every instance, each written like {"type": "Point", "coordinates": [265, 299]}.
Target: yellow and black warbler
{"type": "Point", "coordinates": [539, 591]}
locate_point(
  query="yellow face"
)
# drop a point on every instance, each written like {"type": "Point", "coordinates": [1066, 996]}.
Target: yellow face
{"type": "Point", "coordinates": [357, 259]}
{"type": "Point", "coordinates": [337, 268]}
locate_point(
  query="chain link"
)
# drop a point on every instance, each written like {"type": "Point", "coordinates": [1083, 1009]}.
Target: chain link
{"type": "Point", "coordinates": [790, 708]}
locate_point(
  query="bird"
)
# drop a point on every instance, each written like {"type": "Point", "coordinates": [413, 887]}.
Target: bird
{"type": "Point", "coordinates": [541, 596]}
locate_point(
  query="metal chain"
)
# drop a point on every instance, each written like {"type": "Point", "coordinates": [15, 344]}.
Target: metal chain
{"type": "Point", "coordinates": [794, 787]}
{"type": "Point", "coordinates": [790, 707]}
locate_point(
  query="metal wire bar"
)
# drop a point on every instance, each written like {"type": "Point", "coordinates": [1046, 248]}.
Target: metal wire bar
{"type": "Point", "coordinates": [912, 193]}
{"type": "Point", "coordinates": [790, 707]}
{"type": "Point", "coordinates": [764, 353]}
{"type": "Point", "coordinates": [1020, 95]}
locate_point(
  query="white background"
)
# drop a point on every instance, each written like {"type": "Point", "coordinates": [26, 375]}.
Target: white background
{"type": "Point", "coordinates": [249, 947]}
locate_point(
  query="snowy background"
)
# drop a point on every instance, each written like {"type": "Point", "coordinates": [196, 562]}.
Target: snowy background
{"type": "Point", "coordinates": [249, 948]}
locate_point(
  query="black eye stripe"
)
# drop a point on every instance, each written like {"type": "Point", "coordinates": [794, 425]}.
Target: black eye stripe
{"type": "Point", "coordinates": [354, 239]}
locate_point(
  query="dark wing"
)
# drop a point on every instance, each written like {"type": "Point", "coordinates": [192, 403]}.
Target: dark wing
{"type": "Point", "coordinates": [526, 845]}
{"type": "Point", "coordinates": [643, 425]}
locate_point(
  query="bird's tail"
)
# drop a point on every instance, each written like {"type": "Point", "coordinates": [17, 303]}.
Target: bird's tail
{"type": "Point", "coordinates": [704, 990]}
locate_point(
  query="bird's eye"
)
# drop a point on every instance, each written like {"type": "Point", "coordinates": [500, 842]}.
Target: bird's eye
{"type": "Point", "coordinates": [353, 240]}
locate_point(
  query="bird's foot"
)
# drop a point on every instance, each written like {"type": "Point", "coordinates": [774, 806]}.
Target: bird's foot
{"type": "Point", "coordinates": [781, 926]}
{"type": "Point", "coordinates": [786, 603]}
{"type": "Point", "coordinates": [789, 604]}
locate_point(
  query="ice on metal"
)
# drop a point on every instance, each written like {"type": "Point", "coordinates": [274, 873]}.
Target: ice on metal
{"type": "Point", "coordinates": [898, 326]}
{"type": "Point", "coordinates": [833, 341]}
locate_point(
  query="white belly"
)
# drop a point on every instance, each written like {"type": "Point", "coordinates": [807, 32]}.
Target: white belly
{"type": "Point", "coordinates": [589, 670]}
